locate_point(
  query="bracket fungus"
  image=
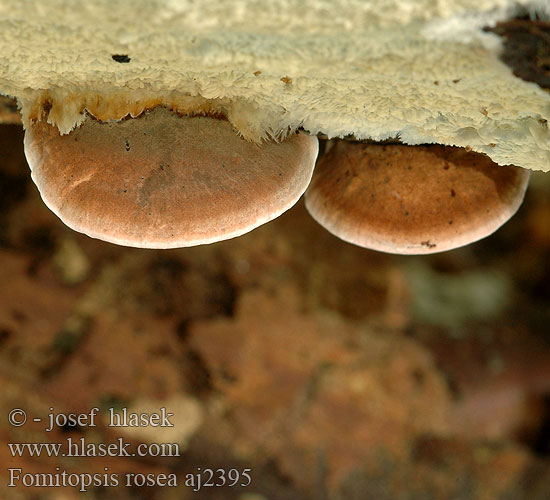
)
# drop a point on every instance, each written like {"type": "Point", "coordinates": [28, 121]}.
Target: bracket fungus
{"type": "Point", "coordinates": [423, 72]}
{"type": "Point", "coordinates": [164, 181]}
{"type": "Point", "coordinates": [412, 199]}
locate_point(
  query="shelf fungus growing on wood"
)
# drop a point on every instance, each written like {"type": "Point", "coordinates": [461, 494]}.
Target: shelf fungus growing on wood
{"type": "Point", "coordinates": [164, 181]}
{"type": "Point", "coordinates": [422, 72]}
{"type": "Point", "coordinates": [412, 199]}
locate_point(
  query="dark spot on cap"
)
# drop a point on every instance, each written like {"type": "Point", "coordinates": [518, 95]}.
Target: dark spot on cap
{"type": "Point", "coordinates": [428, 244]}
{"type": "Point", "coordinates": [453, 192]}
{"type": "Point", "coordinates": [121, 58]}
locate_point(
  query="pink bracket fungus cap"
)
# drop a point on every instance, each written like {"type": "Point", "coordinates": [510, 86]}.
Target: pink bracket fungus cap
{"type": "Point", "coordinates": [165, 181]}
{"type": "Point", "coordinates": [412, 199]}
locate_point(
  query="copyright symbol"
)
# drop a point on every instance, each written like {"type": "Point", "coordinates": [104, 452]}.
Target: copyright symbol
{"type": "Point", "coordinates": [17, 417]}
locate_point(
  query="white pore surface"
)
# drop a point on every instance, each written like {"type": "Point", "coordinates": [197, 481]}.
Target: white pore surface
{"type": "Point", "coordinates": [422, 70]}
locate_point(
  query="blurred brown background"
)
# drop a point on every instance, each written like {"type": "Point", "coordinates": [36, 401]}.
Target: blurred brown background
{"type": "Point", "coordinates": [331, 371]}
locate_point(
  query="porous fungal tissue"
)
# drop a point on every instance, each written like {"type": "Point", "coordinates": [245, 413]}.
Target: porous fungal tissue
{"type": "Point", "coordinates": [420, 71]}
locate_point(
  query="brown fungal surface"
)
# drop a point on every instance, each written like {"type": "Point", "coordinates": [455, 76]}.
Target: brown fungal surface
{"type": "Point", "coordinates": [412, 199]}
{"type": "Point", "coordinates": [164, 181]}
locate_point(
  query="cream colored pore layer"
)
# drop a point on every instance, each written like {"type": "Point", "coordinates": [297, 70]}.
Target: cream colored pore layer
{"type": "Point", "coordinates": [418, 69]}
